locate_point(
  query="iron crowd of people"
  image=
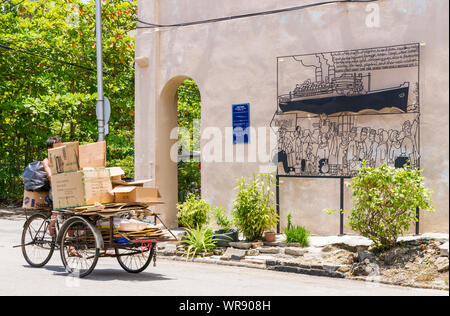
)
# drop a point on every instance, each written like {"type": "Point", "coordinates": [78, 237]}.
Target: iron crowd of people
{"type": "Point", "coordinates": [332, 148]}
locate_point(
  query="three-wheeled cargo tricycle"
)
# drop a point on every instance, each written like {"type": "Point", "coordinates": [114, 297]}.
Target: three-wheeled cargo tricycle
{"type": "Point", "coordinates": [81, 242]}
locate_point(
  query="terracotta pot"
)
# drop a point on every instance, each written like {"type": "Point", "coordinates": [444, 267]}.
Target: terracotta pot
{"type": "Point", "coordinates": [270, 236]}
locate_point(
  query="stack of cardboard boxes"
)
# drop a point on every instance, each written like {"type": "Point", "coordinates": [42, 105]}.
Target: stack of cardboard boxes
{"type": "Point", "coordinates": [80, 178]}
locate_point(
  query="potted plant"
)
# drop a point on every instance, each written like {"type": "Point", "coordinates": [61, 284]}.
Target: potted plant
{"type": "Point", "coordinates": [270, 236]}
{"type": "Point", "coordinates": [254, 206]}
{"type": "Point", "coordinates": [226, 232]}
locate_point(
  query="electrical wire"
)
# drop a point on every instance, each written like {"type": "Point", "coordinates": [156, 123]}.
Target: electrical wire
{"type": "Point", "coordinates": [296, 8]}
{"type": "Point", "coordinates": [15, 5]}
{"type": "Point", "coordinates": [9, 41]}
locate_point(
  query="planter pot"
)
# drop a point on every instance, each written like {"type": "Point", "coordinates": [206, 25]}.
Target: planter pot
{"type": "Point", "coordinates": [224, 237]}
{"type": "Point", "coordinates": [270, 236]}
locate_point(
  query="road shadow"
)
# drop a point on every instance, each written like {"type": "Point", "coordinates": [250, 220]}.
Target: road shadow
{"type": "Point", "coordinates": [109, 274]}
{"type": "Point", "coordinates": [121, 275]}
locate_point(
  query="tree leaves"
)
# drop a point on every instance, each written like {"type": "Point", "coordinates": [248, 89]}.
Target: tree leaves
{"type": "Point", "coordinates": [48, 80]}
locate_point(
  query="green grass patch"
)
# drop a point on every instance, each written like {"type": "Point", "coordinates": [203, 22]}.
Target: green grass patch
{"type": "Point", "coordinates": [296, 234]}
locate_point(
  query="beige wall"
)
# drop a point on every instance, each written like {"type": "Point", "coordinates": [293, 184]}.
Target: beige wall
{"type": "Point", "coordinates": [236, 62]}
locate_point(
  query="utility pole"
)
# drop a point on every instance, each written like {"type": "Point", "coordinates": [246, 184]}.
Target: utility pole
{"type": "Point", "coordinates": [100, 101]}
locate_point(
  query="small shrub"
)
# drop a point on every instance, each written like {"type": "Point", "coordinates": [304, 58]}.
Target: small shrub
{"type": "Point", "coordinates": [254, 207]}
{"type": "Point", "coordinates": [194, 212]}
{"type": "Point", "coordinates": [385, 201]}
{"type": "Point", "coordinates": [222, 220]}
{"type": "Point", "coordinates": [297, 234]}
{"type": "Point", "coordinates": [199, 240]}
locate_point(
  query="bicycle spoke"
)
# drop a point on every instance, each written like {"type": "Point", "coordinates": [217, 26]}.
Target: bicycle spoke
{"type": "Point", "coordinates": [134, 259]}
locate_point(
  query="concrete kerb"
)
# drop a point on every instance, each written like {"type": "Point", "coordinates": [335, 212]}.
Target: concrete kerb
{"type": "Point", "coordinates": [214, 261]}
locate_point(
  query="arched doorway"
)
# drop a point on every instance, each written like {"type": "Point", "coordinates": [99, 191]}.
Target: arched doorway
{"type": "Point", "coordinates": [167, 164]}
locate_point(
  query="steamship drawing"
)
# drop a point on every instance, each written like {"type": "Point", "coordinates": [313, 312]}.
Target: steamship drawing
{"type": "Point", "coordinates": [348, 92]}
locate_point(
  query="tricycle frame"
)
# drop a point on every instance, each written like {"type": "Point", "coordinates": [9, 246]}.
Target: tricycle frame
{"type": "Point", "coordinates": [102, 248]}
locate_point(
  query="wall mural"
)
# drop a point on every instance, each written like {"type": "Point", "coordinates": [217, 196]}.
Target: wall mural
{"type": "Point", "coordinates": [337, 109]}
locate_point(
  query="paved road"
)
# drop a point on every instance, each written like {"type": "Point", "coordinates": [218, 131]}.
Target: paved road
{"type": "Point", "coordinates": [168, 278]}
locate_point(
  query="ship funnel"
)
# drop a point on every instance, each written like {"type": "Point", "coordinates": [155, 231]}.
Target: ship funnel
{"type": "Point", "coordinates": [327, 70]}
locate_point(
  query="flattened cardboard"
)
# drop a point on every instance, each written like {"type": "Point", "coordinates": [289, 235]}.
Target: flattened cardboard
{"type": "Point", "coordinates": [138, 183]}
{"type": "Point", "coordinates": [64, 157]}
{"type": "Point", "coordinates": [126, 194]}
{"type": "Point", "coordinates": [35, 200]}
{"type": "Point", "coordinates": [132, 227]}
{"type": "Point", "coordinates": [81, 188]}
{"type": "Point", "coordinates": [93, 155]}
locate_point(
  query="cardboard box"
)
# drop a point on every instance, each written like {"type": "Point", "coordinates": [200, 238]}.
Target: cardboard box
{"type": "Point", "coordinates": [116, 173]}
{"type": "Point", "coordinates": [127, 194]}
{"type": "Point", "coordinates": [93, 155]}
{"type": "Point", "coordinates": [81, 188]}
{"type": "Point", "coordinates": [35, 200]}
{"type": "Point", "coordinates": [64, 157]}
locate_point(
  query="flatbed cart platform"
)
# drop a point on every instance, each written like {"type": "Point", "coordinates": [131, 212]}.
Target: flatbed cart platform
{"type": "Point", "coordinates": [82, 242]}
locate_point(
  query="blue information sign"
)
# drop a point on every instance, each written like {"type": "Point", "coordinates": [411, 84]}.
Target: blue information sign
{"type": "Point", "coordinates": [241, 123]}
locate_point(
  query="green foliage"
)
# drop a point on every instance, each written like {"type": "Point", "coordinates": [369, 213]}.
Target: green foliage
{"type": "Point", "coordinates": [254, 207]}
{"type": "Point", "coordinates": [48, 80]}
{"type": "Point", "coordinates": [194, 212]}
{"type": "Point", "coordinates": [222, 220]}
{"type": "Point", "coordinates": [199, 240]}
{"type": "Point", "coordinates": [297, 234]}
{"type": "Point", "coordinates": [189, 179]}
{"type": "Point", "coordinates": [121, 151]}
{"type": "Point", "coordinates": [289, 220]}
{"type": "Point", "coordinates": [385, 201]}
{"type": "Point", "coordinates": [189, 110]}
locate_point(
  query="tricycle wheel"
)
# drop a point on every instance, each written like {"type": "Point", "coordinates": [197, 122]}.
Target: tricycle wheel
{"type": "Point", "coordinates": [37, 244]}
{"type": "Point", "coordinates": [80, 249]}
{"type": "Point", "coordinates": [135, 259]}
